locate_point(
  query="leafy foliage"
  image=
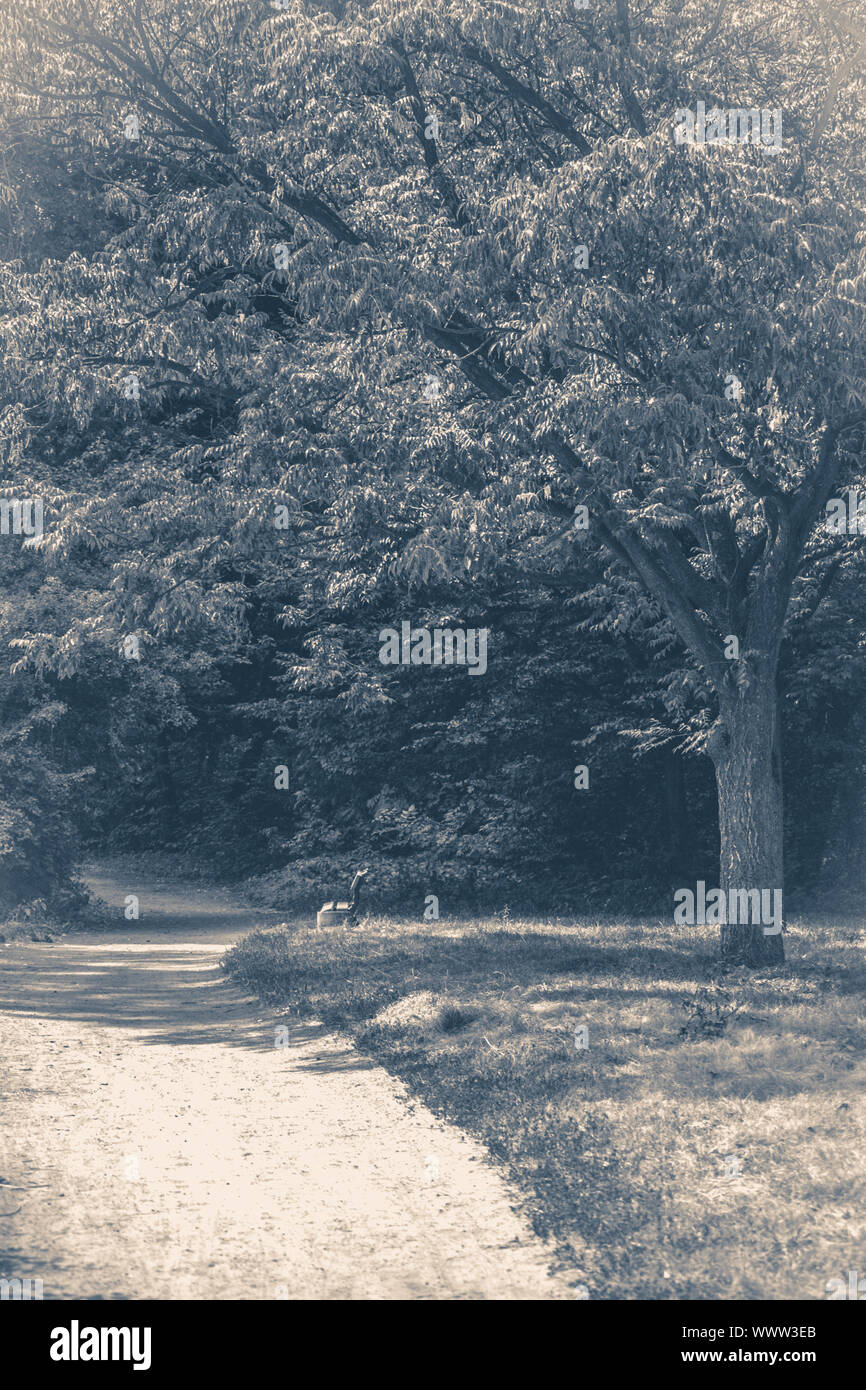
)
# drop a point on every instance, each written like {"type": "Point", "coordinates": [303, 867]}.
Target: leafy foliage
{"type": "Point", "coordinates": [312, 354]}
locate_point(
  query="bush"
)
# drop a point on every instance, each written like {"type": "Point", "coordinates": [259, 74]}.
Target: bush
{"type": "Point", "coordinates": [38, 844]}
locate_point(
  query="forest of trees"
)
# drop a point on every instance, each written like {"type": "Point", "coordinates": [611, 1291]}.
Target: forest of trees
{"type": "Point", "coordinates": [321, 317]}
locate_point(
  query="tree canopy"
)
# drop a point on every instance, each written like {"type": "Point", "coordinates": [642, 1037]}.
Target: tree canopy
{"type": "Point", "coordinates": [321, 316]}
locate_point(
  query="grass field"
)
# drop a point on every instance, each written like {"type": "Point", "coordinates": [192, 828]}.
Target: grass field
{"type": "Point", "coordinates": [703, 1139]}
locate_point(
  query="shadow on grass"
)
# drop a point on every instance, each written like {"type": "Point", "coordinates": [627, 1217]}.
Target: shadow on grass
{"type": "Point", "coordinates": [612, 1146]}
{"type": "Point", "coordinates": [304, 968]}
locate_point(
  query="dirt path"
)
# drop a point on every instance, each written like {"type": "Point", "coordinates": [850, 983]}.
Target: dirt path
{"type": "Point", "coordinates": [155, 1143]}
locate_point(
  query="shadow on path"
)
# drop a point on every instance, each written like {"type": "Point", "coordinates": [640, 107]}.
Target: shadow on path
{"type": "Point", "coordinates": [159, 976]}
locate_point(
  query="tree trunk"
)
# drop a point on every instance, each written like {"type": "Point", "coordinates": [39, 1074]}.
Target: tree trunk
{"type": "Point", "coordinates": [744, 749]}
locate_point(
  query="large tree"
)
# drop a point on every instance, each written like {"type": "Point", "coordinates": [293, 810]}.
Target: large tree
{"type": "Point", "coordinates": [432, 277]}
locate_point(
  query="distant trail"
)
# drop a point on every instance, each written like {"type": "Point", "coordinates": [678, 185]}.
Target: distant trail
{"type": "Point", "coordinates": [160, 1146]}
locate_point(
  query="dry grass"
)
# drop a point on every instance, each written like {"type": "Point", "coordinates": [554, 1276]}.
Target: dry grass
{"type": "Point", "coordinates": [707, 1142]}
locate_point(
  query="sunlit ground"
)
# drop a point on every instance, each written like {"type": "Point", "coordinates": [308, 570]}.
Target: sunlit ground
{"type": "Point", "coordinates": [703, 1138]}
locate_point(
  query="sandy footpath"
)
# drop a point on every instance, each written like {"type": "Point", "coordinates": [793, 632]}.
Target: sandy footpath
{"type": "Point", "coordinates": [156, 1143]}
